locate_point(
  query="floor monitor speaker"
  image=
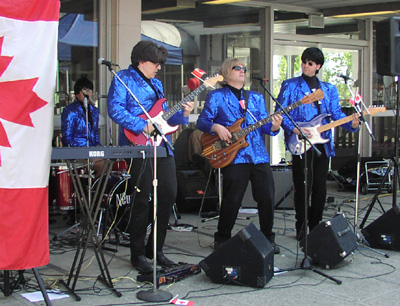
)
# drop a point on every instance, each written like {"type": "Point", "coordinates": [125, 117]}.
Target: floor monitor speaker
{"type": "Point", "coordinates": [245, 259]}
{"type": "Point", "coordinates": [384, 232]}
{"type": "Point", "coordinates": [330, 242]}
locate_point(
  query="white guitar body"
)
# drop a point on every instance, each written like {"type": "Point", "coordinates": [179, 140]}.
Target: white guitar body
{"type": "Point", "coordinates": [315, 138]}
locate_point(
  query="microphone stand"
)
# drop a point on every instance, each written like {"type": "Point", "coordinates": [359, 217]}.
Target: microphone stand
{"type": "Point", "coordinates": [87, 106]}
{"type": "Point", "coordinates": [361, 118]}
{"type": "Point", "coordinates": [155, 294]}
{"type": "Point", "coordinates": [305, 264]}
{"type": "Point", "coordinates": [393, 164]}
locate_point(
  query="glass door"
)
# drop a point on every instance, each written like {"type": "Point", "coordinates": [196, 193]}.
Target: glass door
{"type": "Point", "coordinates": [287, 64]}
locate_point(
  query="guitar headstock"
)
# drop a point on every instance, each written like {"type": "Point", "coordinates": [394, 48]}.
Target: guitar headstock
{"type": "Point", "coordinates": [375, 110]}
{"type": "Point", "coordinates": [211, 81]}
{"type": "Point", "coordinates": [317, 95]}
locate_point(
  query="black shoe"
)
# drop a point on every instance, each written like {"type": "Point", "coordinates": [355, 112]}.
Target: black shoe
{"type": "Point", "coordinates": [277, 249]}
{"type": "Point", "coordinates": [162, 260]}
{"type": "Point", "coordinates": [141, 264]}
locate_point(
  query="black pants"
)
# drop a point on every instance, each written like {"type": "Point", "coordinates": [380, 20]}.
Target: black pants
{"type": "Point", "coordinates": [235, 181]}
{"type": "Point", "coordinates": [142, 177]}
{"type": "Point", "coordinates": [316, 183]}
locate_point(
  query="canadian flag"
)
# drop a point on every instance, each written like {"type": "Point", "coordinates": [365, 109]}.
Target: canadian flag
{"type": "Point", "coordinates": [357, 99]}
{"type": "Point", "coordinates": [28, 65]}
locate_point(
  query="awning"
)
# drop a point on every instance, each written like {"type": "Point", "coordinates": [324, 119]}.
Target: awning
{"type": "Point", "coordinates": [75, 31]}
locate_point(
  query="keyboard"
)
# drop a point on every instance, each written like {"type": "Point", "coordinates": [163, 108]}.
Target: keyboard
{"type": "Point", "coordinates": [72, 153]}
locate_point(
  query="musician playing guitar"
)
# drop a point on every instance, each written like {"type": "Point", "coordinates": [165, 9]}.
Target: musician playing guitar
{"type": "Point", "coordinates": [223, 107]}
{"type": "Point", "coordinates": [146, 58]}
{"type": "Point", "coordinates": [291, 90]}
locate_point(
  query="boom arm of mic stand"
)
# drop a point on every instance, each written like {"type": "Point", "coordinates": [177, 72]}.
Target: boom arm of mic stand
{"type": "Point", "coordinates": [302, 135]}
{"type": "Point", "coordinates": [157, 130]}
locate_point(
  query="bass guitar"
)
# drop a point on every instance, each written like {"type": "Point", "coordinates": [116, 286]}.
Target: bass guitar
{"type": "Point", "coordinates": [221, 153]}
{"type": "Point", "coordinates": [160, 117]}
{"type": "Point", "coordinates": [296, 145]}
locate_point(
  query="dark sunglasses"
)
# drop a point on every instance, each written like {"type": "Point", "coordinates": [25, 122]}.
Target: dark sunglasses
{"type": "Point", "coordinates": [310, 63]}
{"type": "Point", "coordinates": [238, 68]}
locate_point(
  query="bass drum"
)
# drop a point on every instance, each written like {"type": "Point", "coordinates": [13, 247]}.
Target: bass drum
{"type": "Point", "coordinates": [117, 201]}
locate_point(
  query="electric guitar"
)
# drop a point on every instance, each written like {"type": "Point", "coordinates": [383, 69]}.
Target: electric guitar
{"type": "Point", "coordinates": [221, 153]}
{"type": "Point", "coordinates": [296, 146]}
{"type": "Point", "coordinates": [160, 117]}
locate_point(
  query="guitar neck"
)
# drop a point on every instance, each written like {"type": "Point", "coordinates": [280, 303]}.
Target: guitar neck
{"type": "Point", "coordinates": [264, 121]}
{"type": "Point", "coordinates": [190, 97]}
{"type": "Point", "coordinates": [336, 123]}
{"type": "Point", "coordinates": [333, 124]}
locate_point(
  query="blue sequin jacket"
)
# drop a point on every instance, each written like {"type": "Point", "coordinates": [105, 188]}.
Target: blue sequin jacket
{"type": "Point", "coordinates": [73, 126]}
{"type": "Point", "coordinates": [222, 107]}
{"type": "Point", "coordinates": [295, 89]}
{"type": "Point", "coordinates": [125, 111]}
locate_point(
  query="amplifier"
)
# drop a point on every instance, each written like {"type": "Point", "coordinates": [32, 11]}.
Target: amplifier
{"type": "Point", "coordinates": [284, 196]}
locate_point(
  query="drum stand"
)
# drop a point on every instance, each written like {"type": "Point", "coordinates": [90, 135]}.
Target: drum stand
{"type": "Point", "coordinates": [90, 210]}
{"type": "Point", "coordinates": [77, 224]}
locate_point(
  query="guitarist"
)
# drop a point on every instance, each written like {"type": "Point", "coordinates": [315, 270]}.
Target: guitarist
{"type": "Point", "coordinates": [146, 58]}
{"type": "Point", "coordinates": [222, 108]}
{"type": "Point", "coordinates": [292, 90]}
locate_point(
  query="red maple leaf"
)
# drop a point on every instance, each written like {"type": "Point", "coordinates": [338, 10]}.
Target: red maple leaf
{"type": "Point", "coordinates": [17, 100]}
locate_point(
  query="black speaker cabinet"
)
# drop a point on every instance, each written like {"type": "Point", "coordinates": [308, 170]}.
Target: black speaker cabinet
{"type": "Point", "coordinates": [330, 242]}
{"type": "Point", "coordinates": [388, 46]}
{"type": "Point", "coordinates": [284, 195]}
{"type": "Point", "coordinates": [193, 189]}
{"type": "Point", "coordinates": [245, 259]}
{"type": "Point", "coordinates": [384, 232]}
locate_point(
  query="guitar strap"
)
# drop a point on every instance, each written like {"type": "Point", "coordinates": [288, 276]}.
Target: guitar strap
{"type": "Point", "coordinates": [313, 84]}
{"type": "Point", "coordinates": [246, 103]}
{"type": "Point", "coordinates": [317, 103]}
{"type": "Point", "coordinates": [242, 95]}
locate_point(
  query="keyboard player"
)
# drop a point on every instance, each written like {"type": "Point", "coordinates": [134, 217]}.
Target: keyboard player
{"type": "Point", "coordinates": [80, 121]}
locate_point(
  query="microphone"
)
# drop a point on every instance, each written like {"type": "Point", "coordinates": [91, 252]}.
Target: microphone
{"type": "Point", "coordinates": [85, 101]}
{"type": "Point", "coordinates": [102, 61]}
{"type": "Point", "coordinates": [85, 94]}
{"type": "Point", "coordinates": [193, 83]}
{"type": "Point", "coordinates": [254, 77]}
{"type": "Point", "coordinates": [344, 77]}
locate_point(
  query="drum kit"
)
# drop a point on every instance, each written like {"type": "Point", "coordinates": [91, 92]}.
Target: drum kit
{"type": "Point", "coordinates": [115, 206]}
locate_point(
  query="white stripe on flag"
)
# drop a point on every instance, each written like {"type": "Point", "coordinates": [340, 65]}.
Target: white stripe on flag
{"type": "Point", "coordinates": [33, 47]}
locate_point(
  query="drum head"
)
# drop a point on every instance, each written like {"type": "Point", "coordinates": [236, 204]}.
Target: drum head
{"type": "Point", "coordinates": [117, 202]}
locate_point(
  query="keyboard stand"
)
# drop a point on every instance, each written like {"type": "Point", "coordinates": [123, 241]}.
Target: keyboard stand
{"type": "Point", "coordinates": [89, 210]}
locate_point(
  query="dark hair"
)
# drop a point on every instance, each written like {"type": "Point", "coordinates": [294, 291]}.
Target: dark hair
{"type": "Point", "coordinates": [146, 50]}
{"type": "Point", "coordinates": [313, 54]}
{"type": "Point", "coordinates": [82, 83]}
